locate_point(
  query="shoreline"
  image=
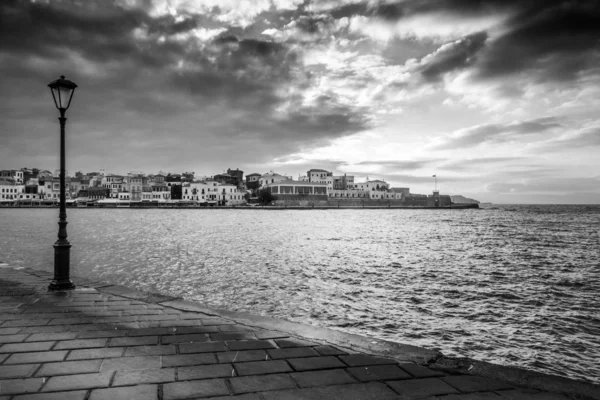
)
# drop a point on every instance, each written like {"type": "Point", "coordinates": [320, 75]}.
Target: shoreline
{"type": "Point", "coordinates": [199, 207]}
{"type": "Point", "coordinates": [400, 352]}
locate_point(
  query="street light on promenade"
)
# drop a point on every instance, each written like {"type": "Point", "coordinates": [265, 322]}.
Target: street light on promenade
{"type": "Point", "coordinates": [62, 93]}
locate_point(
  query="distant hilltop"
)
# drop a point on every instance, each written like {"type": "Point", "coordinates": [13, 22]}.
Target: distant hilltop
{"type": "Point", "coordinates": [463, 200]}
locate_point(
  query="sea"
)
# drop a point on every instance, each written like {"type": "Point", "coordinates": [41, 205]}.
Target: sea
{"type": "Point", "coordinates": [510, 284]}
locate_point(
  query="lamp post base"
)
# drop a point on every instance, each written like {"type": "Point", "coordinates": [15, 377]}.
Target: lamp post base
{"type": "Point", "coordinates": [62, 260]}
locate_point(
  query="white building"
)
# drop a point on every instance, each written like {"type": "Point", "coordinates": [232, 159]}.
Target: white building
{"type": "Point", "coordinates": [318, 175]}
{"type": "Point", "coordinates": [194, 191]}
{"type": "Point", "coordinates": [114, 183]}
{"type": "Point", "coordinates": [291, 189]}
{"type": "Point", "coordinates": [160, 193]}
{"type": "Point", "coordinates": [49, 188]}
{"type": "Point", "coordinates": [340, 182]}
{"type": "Point", "coordinates": [271, 177]}
{"type": "Point", "coordinates": [9, 191]}
{"type": "Point", "coordinates": [232, 195]}
{"type": "Point", "coordinates": [18, 177]}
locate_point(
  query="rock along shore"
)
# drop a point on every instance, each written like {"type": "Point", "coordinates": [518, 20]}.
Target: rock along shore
{"type": "Point", "coordinates": [104, 341]}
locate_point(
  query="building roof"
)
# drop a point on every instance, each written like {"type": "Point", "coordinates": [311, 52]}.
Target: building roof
{"type": "Point", "coordinates": [317, 170]}
{"type": "Point", "coordinates": [297, 183]}
{"type": "Point", "coordinates": [253, 174]}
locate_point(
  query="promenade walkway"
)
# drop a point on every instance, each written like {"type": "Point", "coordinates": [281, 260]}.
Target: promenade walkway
{"type": "Point", "coordinates": [107, 342]}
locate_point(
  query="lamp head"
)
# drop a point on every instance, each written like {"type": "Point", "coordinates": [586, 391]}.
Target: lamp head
{"type": "Point", "coordinates": [62, 92]}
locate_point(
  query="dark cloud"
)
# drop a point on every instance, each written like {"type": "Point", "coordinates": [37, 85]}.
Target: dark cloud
{"type": "Point", "coordinates": [554, 40]}
{"type": "Point", "coordinates": [496, 133]}
{"type": "Point", "coordinates": [49, 29]}
{"type": "Point", "coordinates": [452, 56]}
{"type": "Point", "coordinates": [144, 76]}
{"type": "Point", "coordinates": [550, 40]}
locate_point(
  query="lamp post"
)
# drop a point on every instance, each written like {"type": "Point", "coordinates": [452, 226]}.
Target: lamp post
{"type": "Point", "coordinates": [62, 93]}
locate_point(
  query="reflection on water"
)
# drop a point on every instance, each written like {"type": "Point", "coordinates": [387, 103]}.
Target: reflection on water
{"type": "Point", "coordinates": [514, 285]}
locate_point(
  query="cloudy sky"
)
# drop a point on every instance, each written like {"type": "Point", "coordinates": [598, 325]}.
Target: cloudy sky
{"type": "Point", "coordinates": [499, 98]}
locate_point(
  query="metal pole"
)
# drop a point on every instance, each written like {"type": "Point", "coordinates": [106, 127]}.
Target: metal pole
{"type": "Point", "coordinates": [62, 247]}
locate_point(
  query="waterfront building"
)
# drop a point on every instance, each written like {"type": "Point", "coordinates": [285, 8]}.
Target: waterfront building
{"type": "Point", "coordinates": [231, 195]}
{"type": "Point", "coordinates": [160, 193]}
{"type": "Point", "coordinates": [226, 178]}
{"type": "Point", "coordinates": [341, 182]}
{"type": "Point", "coordinates": [146, 195]}
{"type": "Point", "coordinates": [114, 183]}
{"type": "Point", "coordinates": [173, 179]}
{"type": "Point", "coordinates": [9, 190]}
{"type": "Point", "coordinates": [187, 176]}
{"type": "Point", "coordinates": [195, 191]}
{"type": "Point", "coordinates": [404, 192]}
{"type": "Point", "coordinates": [238, 175]}
{"type": "Point", "coordinates": [271, 177]}
{"type": "Point", "coordinates": [19, 177]}
{"type": "Point", "coordinates": [212, 191]}
{"type": "Point", "coordinates": [93, 194]}
{"type": "Point", "coordinates": [77, 184]}
{"type": "Point", "coordinates": [252, 183]}
{"type": "Point", "coordinates": [29, 194]}
{"type": "Point", "coordinates": [49, 188]}
{"type": "Point", "coordinates": [318, 175]}
{"type": "Point", "coordinates": [291, 190]}
{"type": "Point", "coordinates": [16, 175]}
{"type": "Point", "coordinates": [134, 185]}
{"type": "Point", "coordinates": [29, 173]}
{"type": "Point", "coordinates": [349, 194]}
{"type": "Point", "coordinates": [159, 179]}
{"type": "Point", "coordinates": [124, 196]}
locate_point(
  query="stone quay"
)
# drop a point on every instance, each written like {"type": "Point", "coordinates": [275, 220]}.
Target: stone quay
{"type": "Point", "coordinates": [104, 341]}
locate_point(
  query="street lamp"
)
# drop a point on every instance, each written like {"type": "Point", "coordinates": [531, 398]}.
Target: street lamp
{"type": "Point", "coordinates": [62, 93]}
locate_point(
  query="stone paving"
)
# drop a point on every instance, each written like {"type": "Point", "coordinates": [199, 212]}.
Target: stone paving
{"type": "Point", "coordinates": [91, 344]}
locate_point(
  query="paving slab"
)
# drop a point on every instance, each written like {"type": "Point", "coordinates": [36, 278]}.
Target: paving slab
{"type": "Point", "coordinates": [195, 389]}
{"type": "Point", "coordinates": [378, 373]}
{"type": "Point", "coordinates": [71, 395]}
{"type": "Point", "coordinates": [77, 381]}
{"type": "Point", "coordinates": [136, 377]}
{"type": "Point", "coordinates": [421, 387]}
{"type": "Point", "coordinates": [248, 384]}
{"type": "Point", "coordinates": [322, 378]}
{"type": "Point", "coordinates": [262, 367]}
{"type": "Point", "coordinates": [313, 363]}
{"type": "Point", "coordinates": [69, 368]}
{"type": "Point", "coordinates": [17, 371]}
{"type": "Point", "coordinates": [205, 372]}
{"type": "Point", "coordinates": [141, 392]}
